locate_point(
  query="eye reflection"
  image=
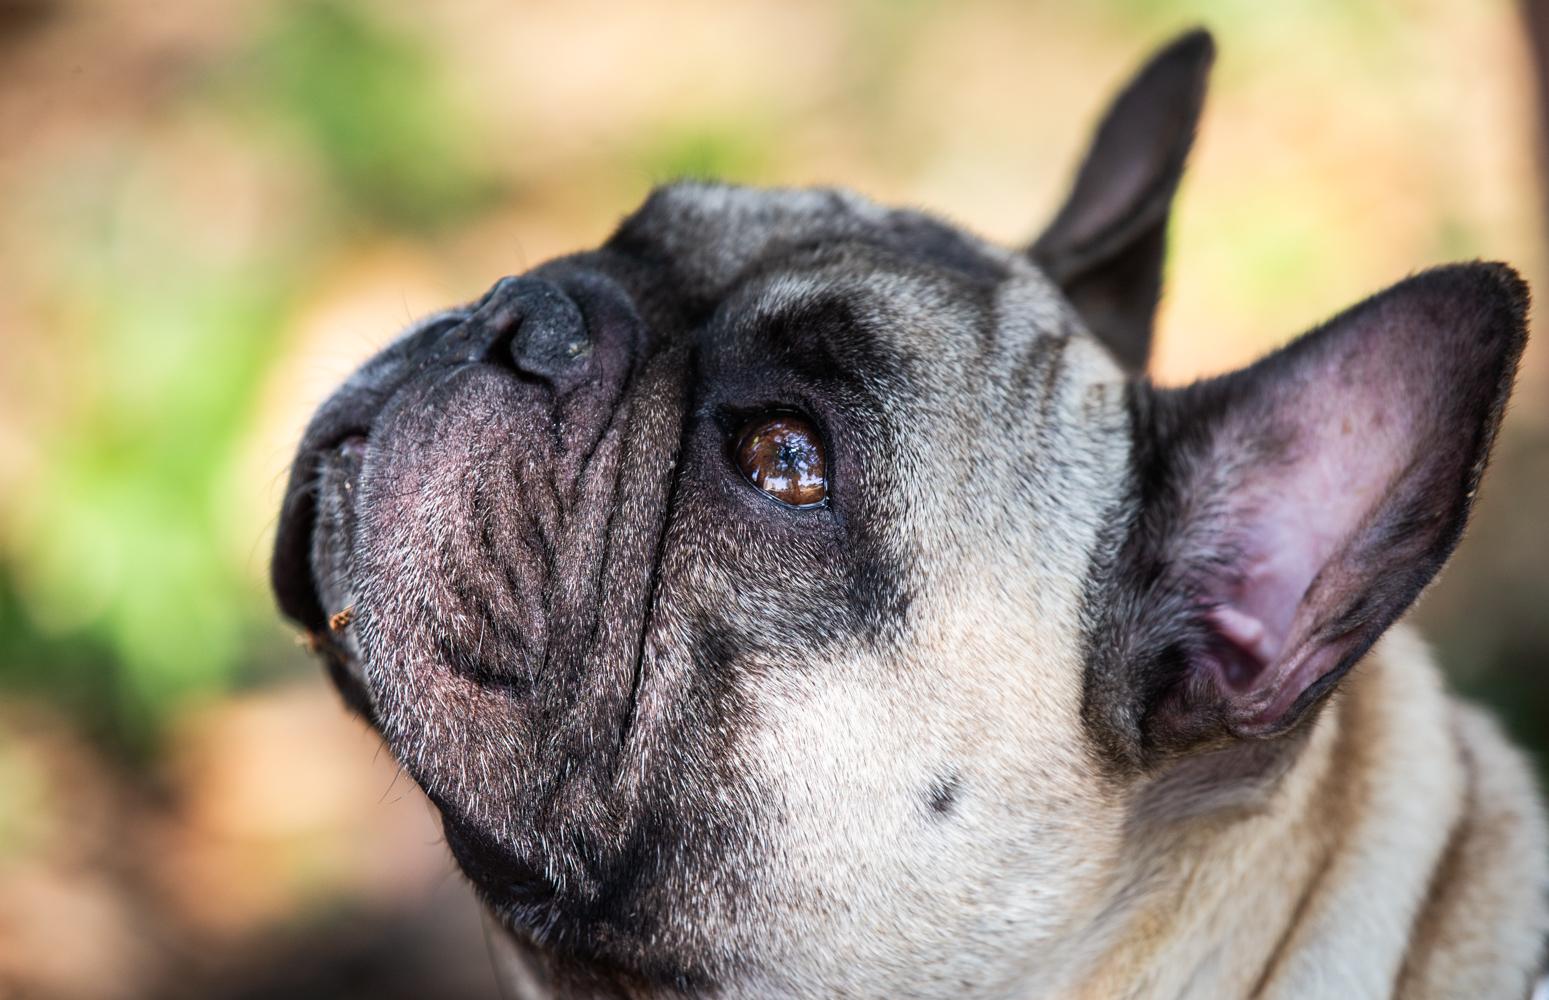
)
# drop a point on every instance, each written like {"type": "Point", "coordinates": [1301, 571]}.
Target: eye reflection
{"type": "Point", "coordinates": [783, 456]}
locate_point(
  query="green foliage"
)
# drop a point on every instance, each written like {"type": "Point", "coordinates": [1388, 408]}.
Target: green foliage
{"type": "Point", "coordinates": [373, 108]}
{"type": "Point", "coordinates": [126, 586]}
{"type": "Point", "coordinates": [731, 152]}
{"type": "Point", "coordinates": [125, 537]}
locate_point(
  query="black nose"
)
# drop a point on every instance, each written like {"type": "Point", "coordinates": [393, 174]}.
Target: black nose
{"type": "Point", "coordinates": [533, 325]}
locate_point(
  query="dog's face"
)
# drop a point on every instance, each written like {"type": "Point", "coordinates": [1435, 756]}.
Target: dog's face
{"type": "Point", "coordinates": [799, 595]}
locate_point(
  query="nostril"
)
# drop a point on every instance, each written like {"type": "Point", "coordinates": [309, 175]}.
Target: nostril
{"type": "Point", "coordinates": [534, 326]}
{"type": "Point", "coordinates": [551, 339]}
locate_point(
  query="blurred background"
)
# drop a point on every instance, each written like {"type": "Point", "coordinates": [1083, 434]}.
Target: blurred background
{"type": "Point", "coordinates": [211, 211]}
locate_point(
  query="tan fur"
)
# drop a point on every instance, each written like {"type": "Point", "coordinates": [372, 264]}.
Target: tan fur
{"type": "Point", "coordinates": [1392, 847]}
{"type": "Point", "coordinates": [1487, 893]}
{"type": "Point", "coordinates": [1402, 855]}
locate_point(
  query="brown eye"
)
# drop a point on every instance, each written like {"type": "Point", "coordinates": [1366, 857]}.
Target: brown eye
{"type": "Point", "coordinates": [783, 456]}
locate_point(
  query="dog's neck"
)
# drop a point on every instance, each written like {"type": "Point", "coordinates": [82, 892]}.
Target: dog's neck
{"type": "Point", "coordinates": [1255, 877]}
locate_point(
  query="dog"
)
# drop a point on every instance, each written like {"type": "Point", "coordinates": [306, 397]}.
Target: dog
{"type": "Point", "coordinates": [796, 596]}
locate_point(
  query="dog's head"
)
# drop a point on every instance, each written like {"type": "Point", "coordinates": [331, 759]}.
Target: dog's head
{"type": "Point", "coordinates": [793, 593]}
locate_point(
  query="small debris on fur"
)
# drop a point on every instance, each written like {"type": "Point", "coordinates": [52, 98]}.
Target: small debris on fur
{"type": "Point", "coordinates": [341, 621]}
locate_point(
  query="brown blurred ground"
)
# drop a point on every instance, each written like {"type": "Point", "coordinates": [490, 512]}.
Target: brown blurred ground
{"type": "Point", "coordinates": [210, 211]}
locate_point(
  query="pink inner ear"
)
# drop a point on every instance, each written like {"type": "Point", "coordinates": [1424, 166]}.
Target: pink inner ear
{"type": "Point", "coordinates": [1303, 503]}
{"type": "Point", "coordinates": [1350, 431]}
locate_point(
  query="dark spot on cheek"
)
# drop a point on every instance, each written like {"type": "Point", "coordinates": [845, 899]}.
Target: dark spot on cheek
{"type": "Point", "coordinates": [943, 793]}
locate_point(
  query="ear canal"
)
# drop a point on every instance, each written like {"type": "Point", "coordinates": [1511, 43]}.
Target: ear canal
{"type": "Point", "coordinates": [1285, 515]}
{"type": "Point", "coordinates": [1106, 245]}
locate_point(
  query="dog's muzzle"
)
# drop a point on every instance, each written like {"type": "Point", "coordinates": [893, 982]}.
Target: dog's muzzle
{"type": "Point", "coordinates": [473, 535]}
{"type": "Point", "coordinates": [533, 326]}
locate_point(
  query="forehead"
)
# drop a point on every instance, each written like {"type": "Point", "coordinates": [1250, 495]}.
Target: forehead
{"type": "Point", "coordinates": [714, 236]}
{"type": "Point", "coordinates": [817, 261]}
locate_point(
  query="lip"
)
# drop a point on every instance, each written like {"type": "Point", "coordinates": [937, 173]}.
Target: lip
{"type": "Point", "coordinates": [329, 553]}
{"type": "Point", "coordinates": [290, 569]}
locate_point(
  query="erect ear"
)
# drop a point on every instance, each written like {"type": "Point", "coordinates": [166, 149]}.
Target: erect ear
{"type": "Point", "coordinates": [1284, 515]}
{"type": "Point", "coordinates": [1105, 247]}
